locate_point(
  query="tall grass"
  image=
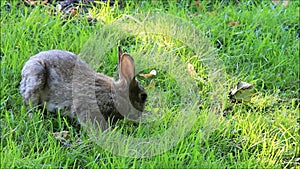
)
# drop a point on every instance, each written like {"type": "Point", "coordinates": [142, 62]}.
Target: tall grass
{"type": "Point", "coordinates": [262, 49]}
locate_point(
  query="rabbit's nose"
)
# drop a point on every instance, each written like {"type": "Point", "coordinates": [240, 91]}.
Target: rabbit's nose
{"type": "Point", "coordinates": [143, 96]}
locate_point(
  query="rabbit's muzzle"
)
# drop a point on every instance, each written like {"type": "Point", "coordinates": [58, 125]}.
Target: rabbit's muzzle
{"type": "Point", "coordinates": [137, 95]}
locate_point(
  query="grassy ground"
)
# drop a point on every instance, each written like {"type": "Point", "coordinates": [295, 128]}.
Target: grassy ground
{"type": "Point", "coordinates": [258, 43]}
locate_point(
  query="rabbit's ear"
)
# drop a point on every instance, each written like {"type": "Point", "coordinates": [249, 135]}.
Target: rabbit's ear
{"type": "Point", "coordinates": [126, 66]}
{"type": "Point", "coordinates": [120, 53]}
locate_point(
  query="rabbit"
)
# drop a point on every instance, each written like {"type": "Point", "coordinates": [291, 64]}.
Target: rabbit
{"type": "Point", "coordinates": [65, 82]}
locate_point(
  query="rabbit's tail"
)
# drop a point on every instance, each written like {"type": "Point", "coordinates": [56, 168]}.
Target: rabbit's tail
{"type": "Point", "coordinates": [33, 82]}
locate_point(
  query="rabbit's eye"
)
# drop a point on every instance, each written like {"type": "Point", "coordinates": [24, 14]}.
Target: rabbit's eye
{"type": "Point", "coordinates": [143, 96]}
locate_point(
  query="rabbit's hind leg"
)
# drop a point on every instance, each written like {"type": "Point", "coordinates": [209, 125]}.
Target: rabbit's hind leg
{"type": "Point", "coordinates": [33, 82]}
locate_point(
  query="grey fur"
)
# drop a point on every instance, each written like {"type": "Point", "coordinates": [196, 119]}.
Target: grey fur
{"type": "Point", "coordinates": [63, 81]}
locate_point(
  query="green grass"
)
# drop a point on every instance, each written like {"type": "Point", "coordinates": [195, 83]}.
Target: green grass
{"type": "Point", "coordinates": [263, 50]}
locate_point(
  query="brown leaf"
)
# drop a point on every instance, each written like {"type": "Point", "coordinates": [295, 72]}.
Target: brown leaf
{"type": "Point", "coordinates": [233, 23]}
{"type": "Point", "coordinates": [152, 84]}
{"type": "Point", "coordinates": [275, 2]}
{"type": "Point", "coordinates": [191, 70]}
{"type": "Point", "coordinates": [45, 2]}
{"type": "Point", "coordinates": [152, 73]}
{"type": "Point", "coordinates": [199, 5]}
{"type": "Point", "coordinates": [28, 2]}
{"type": "Point", "coordinates": [242, 92]}
{"type": "Point", "coordinates": [284, 2]}
{"type": "Point", "coordinates": [213, 13]}
{"type": "Point", "coordinates": [72, 11]}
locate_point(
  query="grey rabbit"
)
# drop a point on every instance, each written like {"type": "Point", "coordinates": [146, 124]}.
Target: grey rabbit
{"type": "Point", "coordinates": [64, 81]}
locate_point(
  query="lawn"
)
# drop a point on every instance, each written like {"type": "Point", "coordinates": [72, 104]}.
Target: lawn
{"type": "Point", "coordinates": [200, 50]}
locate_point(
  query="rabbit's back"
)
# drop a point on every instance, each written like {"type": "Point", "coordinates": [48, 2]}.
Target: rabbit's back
{"type": "Point", "coordinates": [47, 77]}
